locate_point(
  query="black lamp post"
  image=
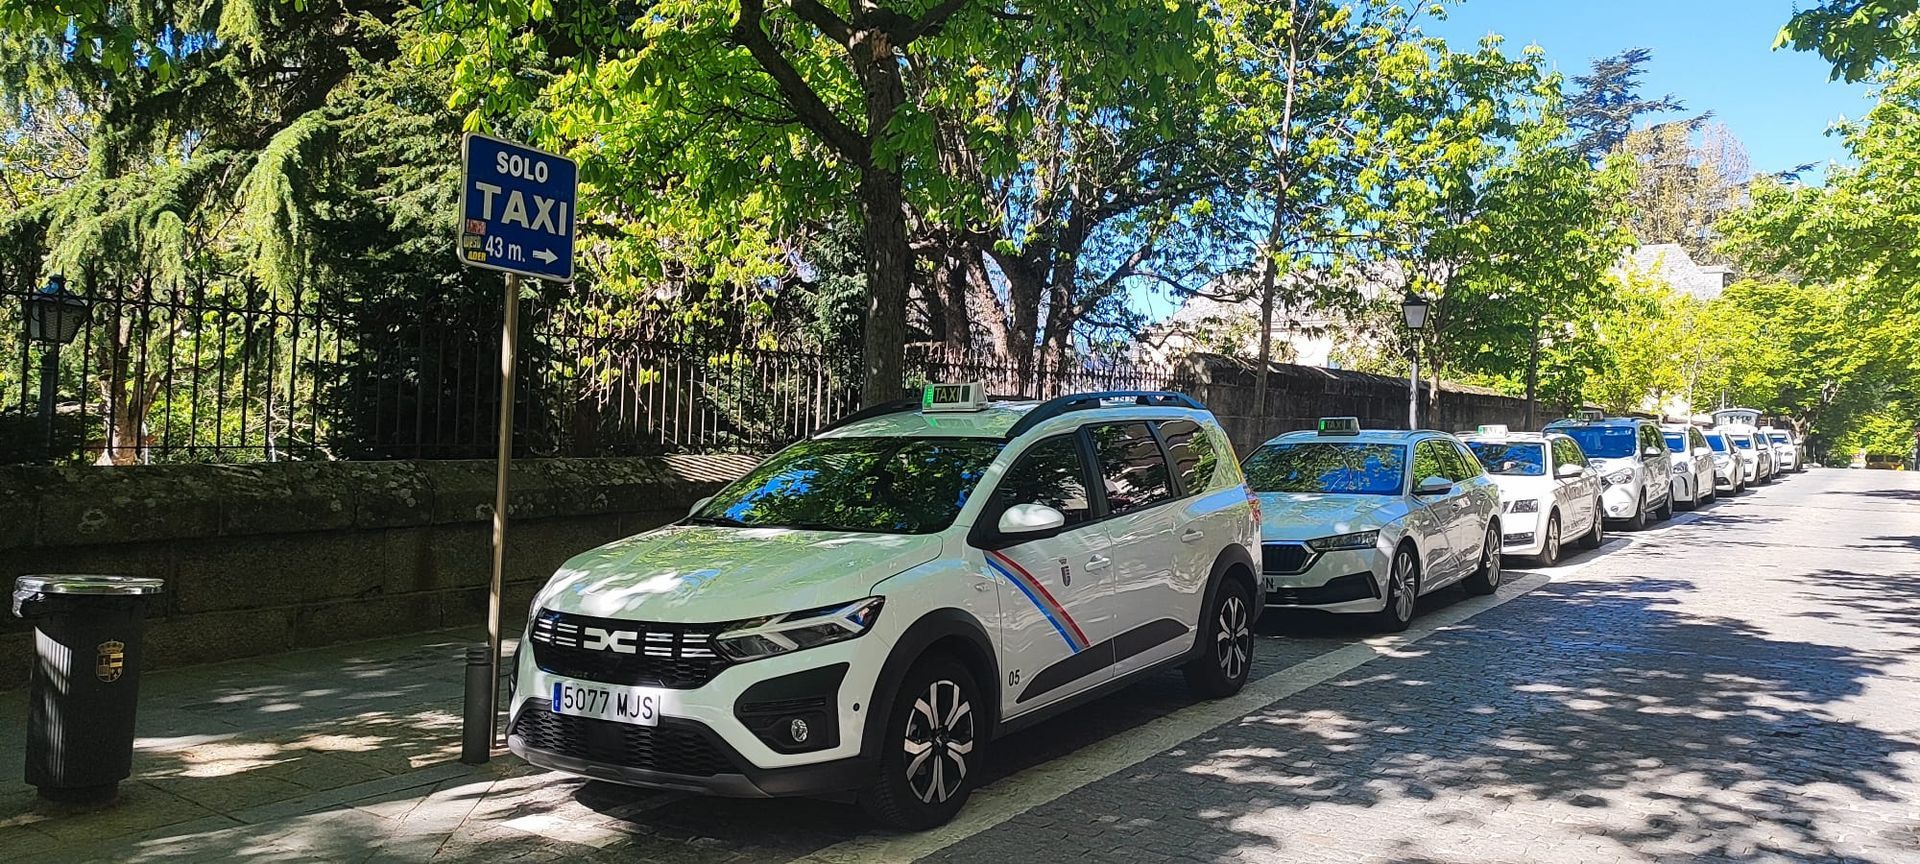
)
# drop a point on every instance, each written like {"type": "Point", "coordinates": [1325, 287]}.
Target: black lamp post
{"type": "Point", "coordinates": [1413, 311]}
{"type": "Point", "coordinates": [54, 317]}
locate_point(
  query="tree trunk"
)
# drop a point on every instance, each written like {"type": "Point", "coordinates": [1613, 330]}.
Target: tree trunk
{"type": "Point", "coordinates": [889, 267]}
{"type": "Point", "coordinates": [1533, 373]}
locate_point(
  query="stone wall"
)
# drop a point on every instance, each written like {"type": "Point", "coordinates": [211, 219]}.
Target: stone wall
{"type": "Point", "coordinates": [1297, 396]}
{"type": "Point", "coordinates": [265, 558]}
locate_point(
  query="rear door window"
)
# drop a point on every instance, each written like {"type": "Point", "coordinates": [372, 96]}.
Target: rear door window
{"type": "Point", "coordinates": [1131, 467]}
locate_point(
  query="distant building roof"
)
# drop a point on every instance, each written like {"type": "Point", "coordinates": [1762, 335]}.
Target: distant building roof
{"type": "Point", "coordinates": [1669, 262]}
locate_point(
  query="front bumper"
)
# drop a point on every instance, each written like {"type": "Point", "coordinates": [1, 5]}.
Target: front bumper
{"type": "Point", "coordinates": [1525, 533]}
{"type": "Point", "coordinates": [1348, 581]}
{"type": "Point", "coordinates": [704, 762]}
{"type": "Point", "coordinates": [704, 742]}
{"type": "Point", "coordinates": [1621, 501]}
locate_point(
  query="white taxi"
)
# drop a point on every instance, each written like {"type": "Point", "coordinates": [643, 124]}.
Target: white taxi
{"type": "Point", "coordinates": [1548, 491]}
{"type": "Point", "coordinates": [871, 609]}
{"type": "Point", "coordinates": [1365, 521]}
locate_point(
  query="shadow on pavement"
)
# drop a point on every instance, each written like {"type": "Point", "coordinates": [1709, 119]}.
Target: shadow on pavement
{"type": "Point", "coordinates": [1687, 736]}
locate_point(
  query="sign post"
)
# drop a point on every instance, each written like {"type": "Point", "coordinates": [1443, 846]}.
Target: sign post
{"type": "Point", "coordinates": [516, 216]}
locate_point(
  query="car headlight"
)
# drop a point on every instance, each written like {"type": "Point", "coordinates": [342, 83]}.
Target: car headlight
{"type": "Point", "coordinates": [1356, 540]}
{"type": "Point", "coordinates": [771, 635]}
{"type": "Point", "coordinates": [1681, 466]}
{"type": "Point", "coordinates": [1622, 476]}
{"type": "Point", "coordinates": [1525, 505]}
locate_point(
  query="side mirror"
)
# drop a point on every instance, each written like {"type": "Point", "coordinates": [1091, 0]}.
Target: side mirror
{"type": "Point", "coordinates": [1031, 521]}
{"type": "Point", "coordinates": [698, 504]}
{"type": "Point", "coordinates": [1651, 452]}
{"type": "Point", "coordinates": [1567, 470]}
{"type": "Point", "coordinates": [1433, 486]}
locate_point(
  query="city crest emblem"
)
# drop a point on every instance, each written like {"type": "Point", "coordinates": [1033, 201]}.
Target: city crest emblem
{"type": "Point", "coordinates": [112, 658]}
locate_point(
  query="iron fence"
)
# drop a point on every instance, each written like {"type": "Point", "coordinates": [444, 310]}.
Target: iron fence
{"type": "Point", "coordinates": [186, 376]}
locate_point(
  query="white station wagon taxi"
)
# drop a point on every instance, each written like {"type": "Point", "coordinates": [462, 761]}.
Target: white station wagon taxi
{"type": "Point", "coordinates": [1365, 521]}
{"type": "Point", "coordinates": [1548, 491]}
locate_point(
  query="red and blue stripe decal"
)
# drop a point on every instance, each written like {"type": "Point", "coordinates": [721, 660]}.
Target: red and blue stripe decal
{"type": "Point", "coordinates": [1050, 608]}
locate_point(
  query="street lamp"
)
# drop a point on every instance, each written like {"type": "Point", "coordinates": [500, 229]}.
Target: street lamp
{"type": "Point", "coordinates": [54, 318]}
{"type": "Point", "coordinates": [1413, 311]}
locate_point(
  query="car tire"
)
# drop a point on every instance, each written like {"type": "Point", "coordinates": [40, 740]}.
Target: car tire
{"type": "Point", "coordinates": [1550, 544]}
{"type": "Point", "coordinates": [1225, 659]}
{"type": "Point", "coordinates": [1403, 592]}
{"type": "Point", "coordinates": [1638, 521]}
{"type": "Point", "coordinates": [1597, 535]}
{"type": "Point", "coordinates": [1666, 509]}
{"type": "Point", "coordinates": [915, 792]}
{"type": "Point", "coordinates": [1486, 578]}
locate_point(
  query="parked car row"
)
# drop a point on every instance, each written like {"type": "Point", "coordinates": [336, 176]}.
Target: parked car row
{"type": "Point", "coordinates": [867, 611]}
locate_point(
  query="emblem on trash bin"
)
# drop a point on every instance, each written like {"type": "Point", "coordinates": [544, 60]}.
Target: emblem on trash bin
{"type": "Point", "coordinates": [113, 656]}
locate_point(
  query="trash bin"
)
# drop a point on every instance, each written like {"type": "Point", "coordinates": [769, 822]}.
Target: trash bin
{"type": "Point", "coordinates": [88, 632]}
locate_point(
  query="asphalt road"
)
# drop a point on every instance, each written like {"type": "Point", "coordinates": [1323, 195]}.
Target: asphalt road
{"type": "Point", "coordinates": [1741, 683]}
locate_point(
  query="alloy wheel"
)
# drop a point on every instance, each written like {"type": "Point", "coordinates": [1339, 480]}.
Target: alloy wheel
{"type": "Point", "coordinates": [1403, 599]}
{"type": "Point", "coordinates": [1493, 558]}
{"type": "Point", "coordinates": [939, 737]}
{"type": "Point", "coordinates": [1234, 642]}
{"type": "Point", "coordinates": [1553, 539]}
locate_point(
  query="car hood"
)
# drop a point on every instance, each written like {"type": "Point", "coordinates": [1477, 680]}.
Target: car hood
{"type": "Point", "coordinates": [709, 573]}
{"type": "Point", "coordinates": [1304, 516]}
{"type": "Point", "coordinates": [1608, 466]}
{"type": "Point", "coordinates": [1514, 488]}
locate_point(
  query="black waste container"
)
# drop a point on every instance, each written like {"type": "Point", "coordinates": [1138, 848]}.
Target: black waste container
{"type": "Point", "coordinates": [88, 632]}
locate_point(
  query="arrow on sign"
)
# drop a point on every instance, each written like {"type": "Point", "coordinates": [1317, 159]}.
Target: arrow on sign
{"type": "Point", "coordinates": [545, 256]}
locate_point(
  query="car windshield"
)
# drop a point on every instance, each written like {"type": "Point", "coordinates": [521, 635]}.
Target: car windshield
{"type": "Point", "coordinates": [884, 485]}
{"type": "Point", "coordinates": [1780, 438]}
{"type": "Point", "coordinates": [1743, 442]}
{"type": "Point", "coordinates": [1718, 443]}
{"type": "Point", "coordinates": [1521, 460]}
{"type": "Point", "coordinates": [1350, 468]}
{"type": "Point", "coordinates": [1676, 442]}
{"type": "Point", "coordinates": [1603, 442]}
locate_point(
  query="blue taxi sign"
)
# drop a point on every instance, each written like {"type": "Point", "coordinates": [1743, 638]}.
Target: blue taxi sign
{"type": "Point", "coordinates": [516, 208]}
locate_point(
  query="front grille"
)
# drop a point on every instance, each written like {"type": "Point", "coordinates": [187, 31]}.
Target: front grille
{"type": "Point", "coordinates": [670, 749]}
{"type": "Point", "coordinates": [1356, 586]}
{"type": "Point", "coordinates": [612, 651]}
{"type": "Point", "coordinates": [1284, 559]}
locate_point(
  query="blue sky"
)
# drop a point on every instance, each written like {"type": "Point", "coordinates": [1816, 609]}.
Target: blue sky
{"type": "Point", "coordinates": [1714, 54]}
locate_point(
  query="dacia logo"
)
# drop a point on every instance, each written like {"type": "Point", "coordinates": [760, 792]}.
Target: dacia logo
{"type": "Point", "coordinates": [617, 641]}
{"type": "Point", "coordinates": [110, 662]}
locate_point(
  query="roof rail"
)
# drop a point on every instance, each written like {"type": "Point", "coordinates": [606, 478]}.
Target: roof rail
{"type": "Point", "coordinates": [1086, 401]}
{"type": "Point", "coordinates": [881, 410]}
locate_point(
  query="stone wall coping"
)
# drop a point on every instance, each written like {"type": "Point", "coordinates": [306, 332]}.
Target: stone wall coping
{"type": "Point", "coordinates": [49, 506]}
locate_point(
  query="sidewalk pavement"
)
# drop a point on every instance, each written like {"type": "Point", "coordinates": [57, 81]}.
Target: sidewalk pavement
{"type": "Point", "coordinates": [339, 754]}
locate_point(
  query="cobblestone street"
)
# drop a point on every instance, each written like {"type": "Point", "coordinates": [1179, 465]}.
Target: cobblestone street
{"type": "Point", "coordinates": [1740, 684]}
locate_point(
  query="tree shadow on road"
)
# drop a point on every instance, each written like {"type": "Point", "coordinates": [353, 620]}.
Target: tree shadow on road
{"type": "Point", "coordinates": [1587, 715]}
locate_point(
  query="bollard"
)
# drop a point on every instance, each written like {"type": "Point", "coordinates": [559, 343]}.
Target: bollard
{"type": "Point", "coordinates": [476, 729]}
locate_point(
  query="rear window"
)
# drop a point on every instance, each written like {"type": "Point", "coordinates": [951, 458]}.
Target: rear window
{"type": "Point", "coordinates": [1321, 466]}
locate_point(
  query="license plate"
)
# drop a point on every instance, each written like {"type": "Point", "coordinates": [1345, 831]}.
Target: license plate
{"type": "Point", "coordinates": [637, 705]}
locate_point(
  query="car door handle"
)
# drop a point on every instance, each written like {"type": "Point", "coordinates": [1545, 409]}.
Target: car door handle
{"type": "Point", "coordinates": [1191, 535]}
{"type": "Point", "coordinates": [1098, 562]}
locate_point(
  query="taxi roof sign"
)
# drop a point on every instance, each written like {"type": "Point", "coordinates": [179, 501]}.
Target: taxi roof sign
{"type": "Point", "coordinates": [1592, 415]}
{"type": "Point", "coordinates": [1339, 426]}
{"type": "Point", "coordinates": [948, 398]}
{"type": "Point", "coordinates": [1492, 430]}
